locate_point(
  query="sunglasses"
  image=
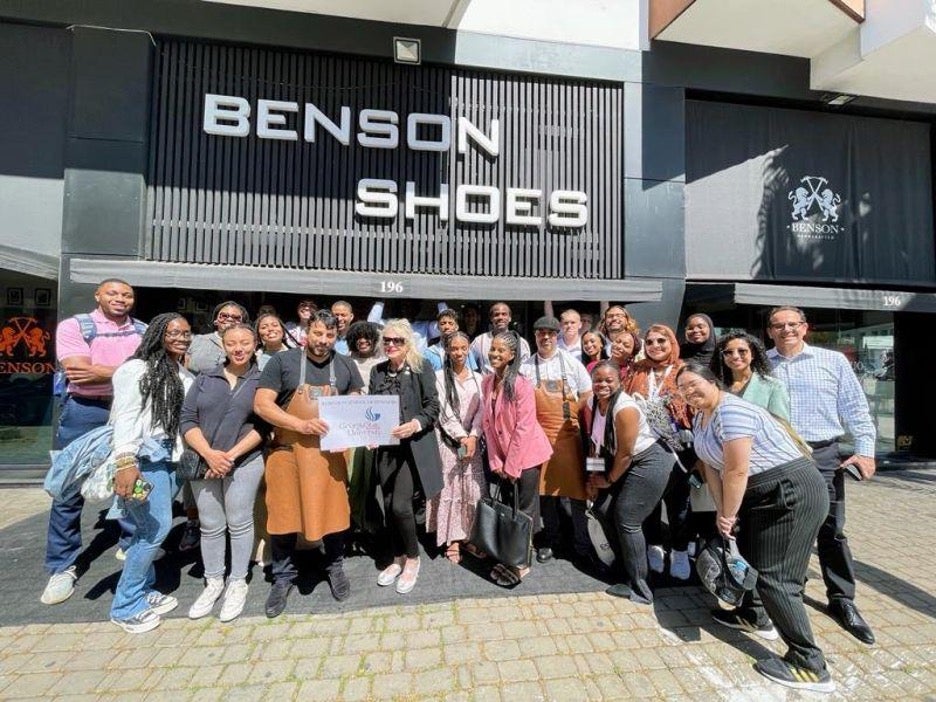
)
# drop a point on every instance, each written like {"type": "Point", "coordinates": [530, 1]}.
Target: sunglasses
{"type": "Point", "coordinates": [393, 341]}
{"type": "Point", "coordinates": [657, 342]}
{"type": "Point", "coordinates": [231, 317]}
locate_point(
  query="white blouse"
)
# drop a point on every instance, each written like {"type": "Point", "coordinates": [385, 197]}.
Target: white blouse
{"type": "Point", "coordinates": [132, 421]}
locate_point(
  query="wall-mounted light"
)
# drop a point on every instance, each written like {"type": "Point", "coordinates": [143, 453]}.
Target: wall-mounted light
{"type": "Point", "coordinates": [406, 50]}
{"type": "Point", "coordinates": [837, 99]}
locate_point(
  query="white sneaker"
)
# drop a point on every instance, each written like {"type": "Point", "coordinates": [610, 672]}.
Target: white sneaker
{"type": "Point", "coordinates": [60, 587]}
{"type": "Point", "coordinates": [235, 597]}
{"type": "Point", "coordinates": [655, 558]}
{"type": "Point", "coordinates": [147, 620]}
{"type": "Point", "coordinates": [202, 606]}
{"type": "Point", "coordinates": [679, 565]}
{"type": "Point", "coordinates": [389, 574]}
{"type": "Point", "coordinates": [160, 603]}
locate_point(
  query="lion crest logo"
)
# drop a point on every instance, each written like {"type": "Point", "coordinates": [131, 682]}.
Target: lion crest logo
{"type": "Point", "coordinates": [813, 194]}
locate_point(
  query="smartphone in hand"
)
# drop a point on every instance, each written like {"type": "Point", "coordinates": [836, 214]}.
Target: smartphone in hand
{"type": "Point", "coordinates": [141, 490]}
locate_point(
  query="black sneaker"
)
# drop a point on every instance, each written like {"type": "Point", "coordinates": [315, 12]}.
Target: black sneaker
{"type": "Point", "coordinates": [785, 673]}
{"type": "Point", "coordinates": [736, 620]}
{"type": "Point", "coordinates": [338, 582]}
{"type": "Point", "coordinates": [276, 600]}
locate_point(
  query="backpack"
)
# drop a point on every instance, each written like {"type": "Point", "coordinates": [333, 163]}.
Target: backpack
{"type": "Point", "coordinates": [89, 333]}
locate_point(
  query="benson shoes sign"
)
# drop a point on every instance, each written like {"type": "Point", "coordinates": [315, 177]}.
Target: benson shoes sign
{"type": "Point", "coordinates": [276, 158]}
{"type": "Point", "coordinates": [778, 194]}
{"type": "Point", "coordinates": [228, 115]}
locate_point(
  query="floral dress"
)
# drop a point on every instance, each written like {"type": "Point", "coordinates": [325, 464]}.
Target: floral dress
{"type": "Point", "coordinates": [451, 512]}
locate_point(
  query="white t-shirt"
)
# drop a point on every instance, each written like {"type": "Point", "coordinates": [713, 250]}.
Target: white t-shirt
{"type": "Point", "coordinates": [645, 437]}
{"type": "Point", "coordinates": [553, 368]}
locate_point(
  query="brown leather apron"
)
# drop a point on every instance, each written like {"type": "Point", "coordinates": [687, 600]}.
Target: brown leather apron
{"type": "Point", "coordinates": [306, 488]}
{"type": "Point", "coordinates": [563, 475]}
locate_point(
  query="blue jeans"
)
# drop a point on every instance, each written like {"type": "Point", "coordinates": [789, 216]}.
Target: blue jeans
{"type": "Point", "coordinates": [153, 519]}
{"type": "Point", "coordinates": [63, 542]}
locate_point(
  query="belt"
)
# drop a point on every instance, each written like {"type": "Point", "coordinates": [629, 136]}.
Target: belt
{"type": "Point", "coordinates": [101, 399]}
{"type": "Point", "coordinates": [815, 445]}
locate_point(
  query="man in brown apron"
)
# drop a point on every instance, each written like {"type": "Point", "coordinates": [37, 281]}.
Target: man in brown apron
{"type": "Point", "coordinates": [562, 385]}
{"type": "Point", "coordinates": [307, 489]}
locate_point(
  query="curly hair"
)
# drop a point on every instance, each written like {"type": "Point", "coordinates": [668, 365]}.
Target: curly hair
{"type": "Point", "coordinates": [161, 385]}
{"type": "Point", "coordinates": [362, 330]}
{"type": "Point", "coordinates": [759, 363]}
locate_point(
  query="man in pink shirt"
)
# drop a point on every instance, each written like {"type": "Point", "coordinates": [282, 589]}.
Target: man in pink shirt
{"type": "Point", "coordinates": [89, 347]}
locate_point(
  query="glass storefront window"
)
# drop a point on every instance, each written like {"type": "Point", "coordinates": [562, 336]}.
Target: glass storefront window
{"type": "Point", "coordinates": [27, 364]}
{"type": "Point", "coordinates": [865, 337]}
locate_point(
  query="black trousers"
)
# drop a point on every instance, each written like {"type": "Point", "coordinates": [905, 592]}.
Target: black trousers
{"type": "Point", "coordinates": [396, 469]}
{"type": "Point", "coordinates": [780, 516]}
{"type": "Point", "coordinates": [676, 499]}
{"type": "Point", "coordinates": [528, 499]}
{"type": "Point", "coordinates": [551, 535]}
{"type": "Point", "coordinates": [835, 558]}
{"type": "Point", "coordinates": [632, 498]}
{"type": "Point", "coordinates": [283, 551]}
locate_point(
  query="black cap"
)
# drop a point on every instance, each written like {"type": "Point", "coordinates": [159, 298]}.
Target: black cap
{"type": "Point", "coordinates": [550, 323]}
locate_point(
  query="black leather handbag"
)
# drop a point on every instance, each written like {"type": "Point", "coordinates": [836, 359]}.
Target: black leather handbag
{"type": "Point", "coordinates": [503, 531]}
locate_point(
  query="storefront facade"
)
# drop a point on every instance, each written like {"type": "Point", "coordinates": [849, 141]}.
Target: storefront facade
{"type": "Point", "coordinates": [217, 151]}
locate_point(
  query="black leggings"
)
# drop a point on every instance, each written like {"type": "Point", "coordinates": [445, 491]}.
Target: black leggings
{"type": "Point", "coordinates": [396, 469]}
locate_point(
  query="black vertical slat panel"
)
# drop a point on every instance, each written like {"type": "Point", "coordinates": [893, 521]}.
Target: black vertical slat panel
{"type": "Point", "coordinates": [154, 194]}
{"type": "Point", "coordinates": [291, 204]}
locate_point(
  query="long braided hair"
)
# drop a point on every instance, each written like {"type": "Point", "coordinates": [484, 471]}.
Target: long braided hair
{"type": "Point", "coordinates": [451, 392]}
{"type": "Point", "coordinates": [512, 341]}
{"type": "Point", "coordinates": [609, 439]}
{"type": "Point", "coordinates": [160, 384]}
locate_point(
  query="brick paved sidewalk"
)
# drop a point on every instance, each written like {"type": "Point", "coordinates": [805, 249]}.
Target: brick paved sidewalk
{"type": "Point", "coordinates": [516, 647]}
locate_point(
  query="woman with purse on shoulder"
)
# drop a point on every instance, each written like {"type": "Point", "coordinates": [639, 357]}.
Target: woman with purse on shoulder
{"type": "Point", "coordinates": [413, 464]}
{"type": "Point", "coordinates": [226, 465]}
{"type": "Point", "coordinates": [763, 485]}
{"type": "Point", "coordinates": [636, 469]}
{"type": "Point", "coordinates": [451, 513]}
{"type": "Point", "coordinates": [148, 393]}
{"type": "Point", "coordinates": [517, 446]}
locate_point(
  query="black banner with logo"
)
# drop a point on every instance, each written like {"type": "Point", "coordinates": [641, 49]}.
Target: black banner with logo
{"type": "Point", "coordinates": [776, 194]}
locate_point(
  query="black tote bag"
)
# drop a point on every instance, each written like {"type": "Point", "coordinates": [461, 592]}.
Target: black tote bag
{"type": "Point", "coordinates": [503, 531]}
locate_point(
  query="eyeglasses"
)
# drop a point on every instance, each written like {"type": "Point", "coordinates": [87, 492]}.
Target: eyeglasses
{"type": "Point", "coordinates": [780, 326]}
{"type": "Point", "coordinates": [393, 341]}
{"type": "Point", "coordinates": [657, 342]}
{"type": "Point", "coordinates": [176, 334]}
{"type": "Point", "coordinates": [231, 317]}
{"type": "Point", "coordinates": [692, 385]}
{"type": "Point", "coordinates": [736, 352]}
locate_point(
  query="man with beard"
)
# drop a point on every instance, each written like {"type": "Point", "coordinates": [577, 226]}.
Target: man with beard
{"type": "Point", "coordinates": [306, 487]}
{"type": "Point", "coordinates": [500, 322]}
{"type": "Point", "coordinates": [89, 348]}
{"type": "Point", "coordinates": [825, 400]}
{"type": "Point", "coordinates": [562, 386]}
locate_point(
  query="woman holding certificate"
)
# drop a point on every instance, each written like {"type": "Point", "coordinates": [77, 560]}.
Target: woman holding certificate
{"type": "Point", "coordinates": [413, 464]}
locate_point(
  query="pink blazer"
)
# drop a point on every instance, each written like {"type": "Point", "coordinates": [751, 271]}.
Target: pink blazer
{"type": "Point", "coordinates": [515, 440]}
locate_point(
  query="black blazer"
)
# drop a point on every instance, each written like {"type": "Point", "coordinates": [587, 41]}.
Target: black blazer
{"type": "Point", "coordinates": [418, 400]}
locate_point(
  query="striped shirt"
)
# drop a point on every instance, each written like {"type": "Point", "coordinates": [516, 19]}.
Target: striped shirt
{"type": "Point", "coordinates": [735, 418]}
{"type": "Point", "coordinates": [825, 397]}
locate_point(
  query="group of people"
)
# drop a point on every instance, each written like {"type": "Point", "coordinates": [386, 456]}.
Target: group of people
{"type": "Point", "coordinates": [608, 417]}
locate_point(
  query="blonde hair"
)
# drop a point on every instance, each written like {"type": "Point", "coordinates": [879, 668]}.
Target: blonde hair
{"type": "Point", "coordinates": [402, 326]}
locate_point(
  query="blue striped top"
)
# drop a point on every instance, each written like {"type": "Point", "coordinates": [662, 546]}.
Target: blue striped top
{"type": "Point", "coordinates": [735, 418]}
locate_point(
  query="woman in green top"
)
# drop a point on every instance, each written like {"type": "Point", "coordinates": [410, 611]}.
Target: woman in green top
{"type": "Point", "coordinates": [740, 363]}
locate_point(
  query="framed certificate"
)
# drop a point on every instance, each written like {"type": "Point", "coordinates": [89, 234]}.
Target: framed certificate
{"type": "Point", "coordinates": [359, 420]}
